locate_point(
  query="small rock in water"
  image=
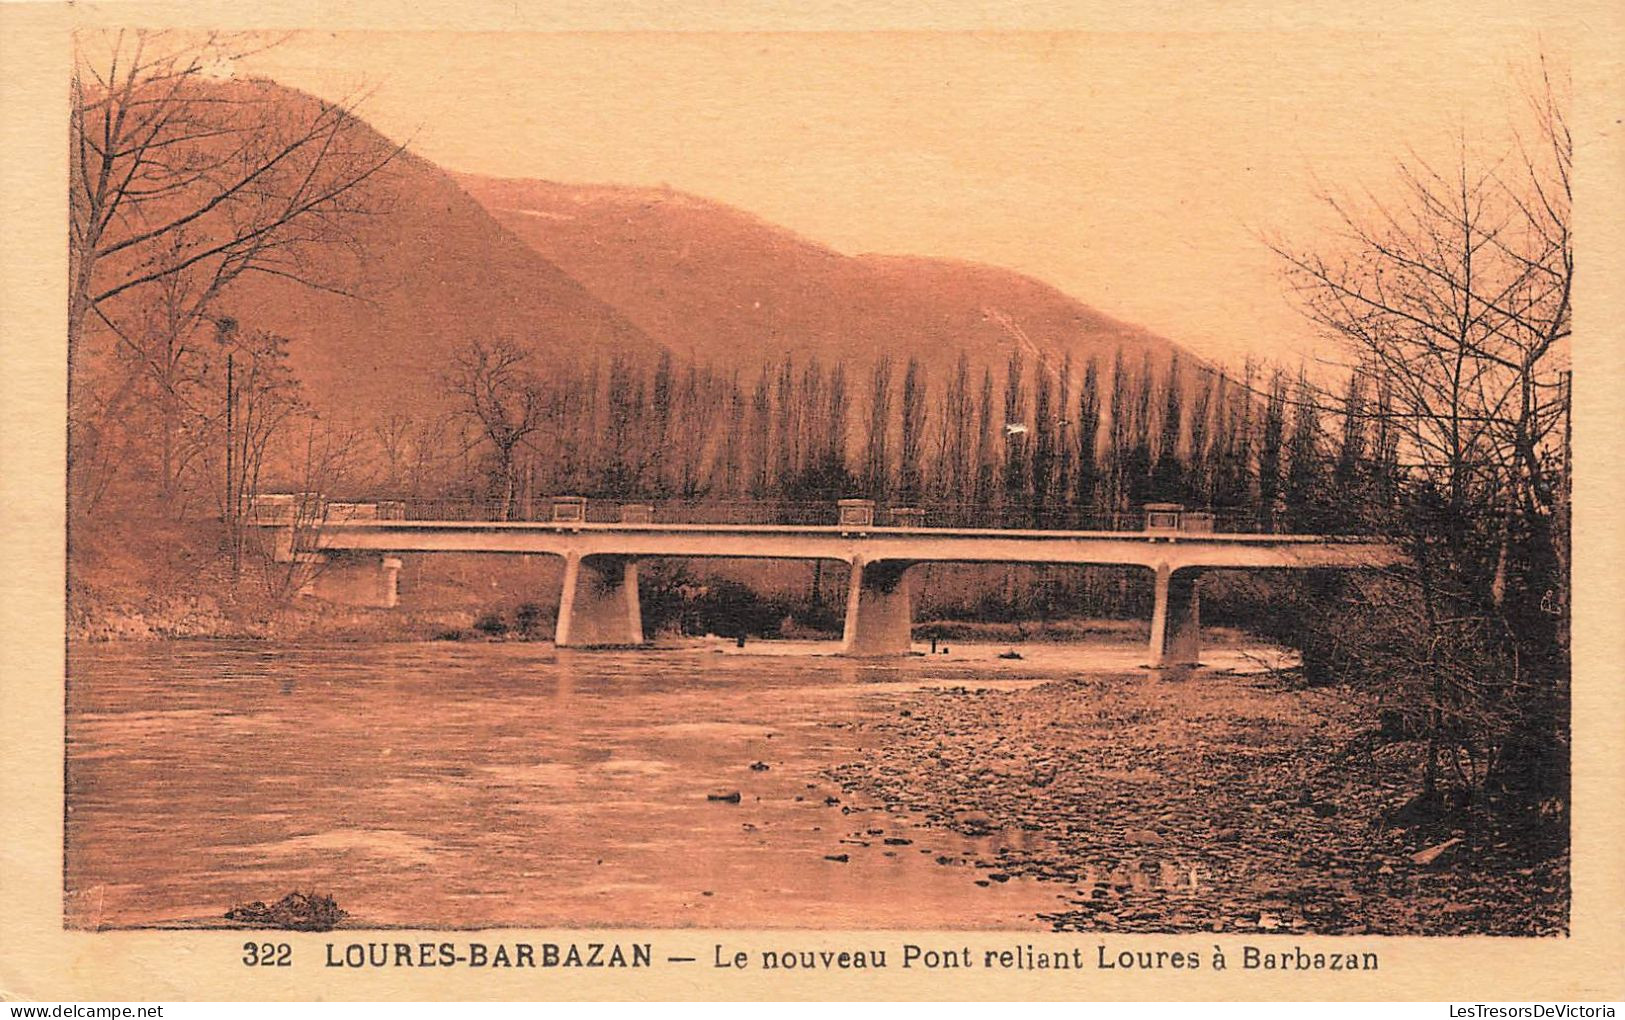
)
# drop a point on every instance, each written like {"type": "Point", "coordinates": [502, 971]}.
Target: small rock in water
{"type": "Point", "coordinates": [1433, 853]}
{"type": "Point", "coordinates": [975, 822]}
{"type": "Point", "coordinates": [838, 858]}
{"type": "Point", "coordinates": [759, 766]}
{"type": "Point", "coordinates": [731, 797]}
{"type": "Point", "coordinates": [897, 841]}
{"type": "Point", "coordinates": [296, 911]}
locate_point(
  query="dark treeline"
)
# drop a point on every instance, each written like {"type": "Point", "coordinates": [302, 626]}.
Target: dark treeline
{"type": "Point", "coordinates": [1046, 443]}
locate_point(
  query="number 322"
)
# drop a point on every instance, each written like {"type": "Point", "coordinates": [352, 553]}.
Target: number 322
{"type": "Point", "coordinates": [267, 954]}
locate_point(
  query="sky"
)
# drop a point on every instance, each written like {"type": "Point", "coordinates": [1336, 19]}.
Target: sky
{"type": "Point", "coordinates": [1138, 173]}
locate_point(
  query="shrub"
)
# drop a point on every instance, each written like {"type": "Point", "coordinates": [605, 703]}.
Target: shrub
{"type": "Point", "coordinates": [527, 620]}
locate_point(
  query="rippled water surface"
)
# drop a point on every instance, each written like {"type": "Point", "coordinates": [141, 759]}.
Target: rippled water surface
{"type": "Point", "coordinates": [444, 785]}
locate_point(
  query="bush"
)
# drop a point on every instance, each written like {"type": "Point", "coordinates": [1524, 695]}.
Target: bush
{"type": "Point", "coordinates": [666, 592]}
{"type": "Point", "coordinates": [731, 609]}
{"type": "Point", "coordinates": [491, 624]}
{"type": "Point", "coordinates": [527, 620]}
{"type": "Point", "coordinates": [815, 618]}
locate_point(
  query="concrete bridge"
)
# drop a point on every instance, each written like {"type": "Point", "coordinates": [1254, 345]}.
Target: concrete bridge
{"type": "Point", "coordinates": [355, 558]}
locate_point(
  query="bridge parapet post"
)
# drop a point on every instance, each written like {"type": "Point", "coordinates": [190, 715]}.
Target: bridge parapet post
{"type": "Point", "coordinates": [855, 513]}
{"type": "Point", "coordinates": [1163, 517]}
{"type": "Point", "coordinates": [268, 509]}
{"type": "Point", "coordinates": [280, 516]}
{"type": "Point", "coordinates": [569, 509]}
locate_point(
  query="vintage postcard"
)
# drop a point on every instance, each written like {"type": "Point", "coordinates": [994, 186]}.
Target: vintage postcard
{"type": "Point", "coordinates": [755, 504]}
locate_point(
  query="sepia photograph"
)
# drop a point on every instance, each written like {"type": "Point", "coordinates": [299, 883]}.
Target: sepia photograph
{"type": "Point", "coordinates": [1038, 482]}
{"type": "Point", "coordinates": [731, 502]}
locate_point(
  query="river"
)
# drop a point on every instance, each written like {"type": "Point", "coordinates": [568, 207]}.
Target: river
{"type": "Point", "coordinates": [452, 785]}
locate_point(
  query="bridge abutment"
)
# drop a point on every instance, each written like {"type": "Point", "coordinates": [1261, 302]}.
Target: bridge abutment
{"type": "Point", "coordinates": [1176, 619]}
{"type": "Point", "coordinates": [353, 580]}
{"type": "Point", "coordinates": [879, 609]}
{"type": "Point", "coordinates": [599, 604]}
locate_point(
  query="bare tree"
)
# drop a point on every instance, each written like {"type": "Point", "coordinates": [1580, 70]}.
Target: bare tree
{"type": "Point", "coordinates": [910, 483]}
{"type": "Point", "coordinates": [181, 183]}
{"type": "Point", "coordinates": [1457, 293]}
{"type": "Point", "coordinates": [504, 401]}
{"type": "Point", "coordinates": [877, 449]}
{"type": "Point", "coordinates": [325, 458]}
{"type": "Point", "coordinates": [394, 434]}
{"type": "Point", "coordinates": [1453, 297]}
{"type": "Point", "coordinates": [171, 173]}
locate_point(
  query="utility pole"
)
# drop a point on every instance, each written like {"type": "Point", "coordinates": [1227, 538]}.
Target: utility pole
{"type": "Point", "coordinates": [232, 529]}
{"type": "Point", "coordinates": [226, 335]}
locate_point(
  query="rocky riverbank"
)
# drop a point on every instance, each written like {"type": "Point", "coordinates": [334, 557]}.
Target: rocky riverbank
{"type": "Point", "coordinates": [1196, 801]}
{"type": "Point", "coordinates": [192, 617]}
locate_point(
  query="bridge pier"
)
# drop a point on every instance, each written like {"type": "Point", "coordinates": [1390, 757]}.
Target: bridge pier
{"type": "Point", "coordinates": [599, 604]}
{"type": "Point", "coordinates": [353, 580]}
{"type": "Point", "coordinates": [1176, 619]}
{"type": "Point", "coordinates": [879, 609]}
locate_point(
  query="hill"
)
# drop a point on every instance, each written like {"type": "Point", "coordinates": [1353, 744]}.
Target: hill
{"type": "Point", "coordinates": [430, 269]}
{"type": "Point", "coordinates": [712, 282]}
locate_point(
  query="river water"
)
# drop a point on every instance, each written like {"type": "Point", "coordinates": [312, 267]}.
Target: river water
{"type": "Point", "coordinates": [491, 785]}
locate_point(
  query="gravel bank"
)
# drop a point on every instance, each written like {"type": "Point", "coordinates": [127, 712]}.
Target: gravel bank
{"type": "Point", "coordinates": [1194, 801]}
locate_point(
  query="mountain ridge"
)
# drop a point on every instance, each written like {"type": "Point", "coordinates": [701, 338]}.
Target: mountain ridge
{"type": "Point", "coordinates": [707, 279]}
{"type": "Point", "coordinates": [434, 270]}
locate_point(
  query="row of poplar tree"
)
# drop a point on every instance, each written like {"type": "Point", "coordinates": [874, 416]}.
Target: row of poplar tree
{"type": "Point", "coordinates": [1043, 443]}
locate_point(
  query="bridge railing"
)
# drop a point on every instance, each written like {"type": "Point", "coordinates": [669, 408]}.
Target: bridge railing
{"type": "Point", "coordinates": [1050, 517]}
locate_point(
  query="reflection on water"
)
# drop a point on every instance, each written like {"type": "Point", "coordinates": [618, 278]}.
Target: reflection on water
{"type": "Point", "coordinates": [443, 785]}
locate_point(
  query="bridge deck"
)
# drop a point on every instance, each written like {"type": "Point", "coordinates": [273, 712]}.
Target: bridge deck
{"type": "Point", "coordinates": [854, 544]}
{"type": "Point", "coordinates": [599, 605]}
{"type": "Point", "coordinates": [832, 529]}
